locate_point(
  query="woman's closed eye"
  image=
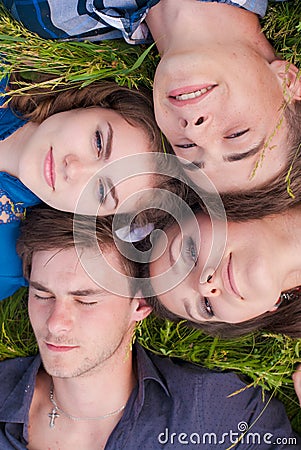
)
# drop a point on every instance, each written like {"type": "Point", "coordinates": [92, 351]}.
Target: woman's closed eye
{"type": "Point", "coordinates": [190, 249]}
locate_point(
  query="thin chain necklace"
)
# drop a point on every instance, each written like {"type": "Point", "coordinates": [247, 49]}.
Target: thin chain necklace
{"type": "Point", "coordinates": [54, 414]}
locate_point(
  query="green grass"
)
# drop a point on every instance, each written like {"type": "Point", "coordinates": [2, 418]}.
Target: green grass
{"type": "Point", "coordinates": [264, 359]}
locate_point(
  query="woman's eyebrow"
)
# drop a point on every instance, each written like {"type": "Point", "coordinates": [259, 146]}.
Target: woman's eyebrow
{"type": "Point", "coordinates": [112, 192]}
{"type": "Point", "coordinates": [108, 149]}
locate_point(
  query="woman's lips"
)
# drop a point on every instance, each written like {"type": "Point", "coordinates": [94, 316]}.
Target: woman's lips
{"type": "Point", "coordinates": [49, 170]}
{"type": "Point", "coordinates": [228, 279]}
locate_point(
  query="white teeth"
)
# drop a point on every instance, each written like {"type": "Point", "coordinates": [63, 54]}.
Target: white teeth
{"type": "Point", "coordinates": [193, 94]}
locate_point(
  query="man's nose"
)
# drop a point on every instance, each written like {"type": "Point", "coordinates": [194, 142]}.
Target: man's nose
{"type": "Point", "coordinates": [194, 121]}
{"type": "Point", "coordinates": [60, 319]}
{"type": "Point", "coordinates": [195, 126]}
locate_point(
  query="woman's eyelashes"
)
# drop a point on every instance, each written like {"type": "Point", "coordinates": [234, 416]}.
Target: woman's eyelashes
{"type": "Point", "coordinates": [190, 249]}
{"type": "Point", "coordinates": [101, 192]}
{"type": "Point", "coordinates": [206, 308]}
{"type": "Point", "coordinates": [98, 143]}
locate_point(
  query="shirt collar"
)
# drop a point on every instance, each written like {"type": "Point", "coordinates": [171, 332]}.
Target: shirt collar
{"type": "Point", "coordinates": [146, 372]}
{"type": "Point", "coordinates": [15, 407]}
{"type": "Point", "coordinates": [146, 369]}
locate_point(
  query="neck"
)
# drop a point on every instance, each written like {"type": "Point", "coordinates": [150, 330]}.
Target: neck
{"type": "Point", "coordinates": [286, 227]}
{"type": "Point", "coordinates": [12, 147]}
{"type": "Point", "coordinates": [79, 397]}
{"type": "Point", "coordinates": [180, 26]}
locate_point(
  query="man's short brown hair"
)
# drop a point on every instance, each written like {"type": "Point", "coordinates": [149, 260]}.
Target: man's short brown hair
{"type": "Point", "coordinates": [46, 229]}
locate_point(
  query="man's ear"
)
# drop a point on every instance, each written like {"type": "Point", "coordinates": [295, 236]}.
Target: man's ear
{"type": "Point", "coordinates": [142, 308]}
{"type": "Point", "coordinates": [290, 78]}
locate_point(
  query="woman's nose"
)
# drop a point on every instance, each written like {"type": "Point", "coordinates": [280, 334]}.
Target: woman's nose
{"type": "Point", "coordinates": [75, 167]}
{"type": "Point", "coordinates": [211, 287]}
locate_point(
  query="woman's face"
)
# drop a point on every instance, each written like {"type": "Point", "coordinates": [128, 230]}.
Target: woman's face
{"type": "Point", "coordinates": [246, 281]}
{"type": "Point", "coordinates": [78, 154]}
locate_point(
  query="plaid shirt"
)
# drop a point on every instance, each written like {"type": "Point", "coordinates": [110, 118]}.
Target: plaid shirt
{"type": "Point", "coordinates": [97, 20]}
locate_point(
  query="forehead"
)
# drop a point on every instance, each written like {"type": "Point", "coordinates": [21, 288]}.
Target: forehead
{"type": "Point", "coordinates": [73, 269]}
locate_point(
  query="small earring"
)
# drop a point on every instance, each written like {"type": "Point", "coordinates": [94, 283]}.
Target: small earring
{"type": "Point", "coordinates": [209, 278]}
{"type": "Point", "coordinates": [285, 296]}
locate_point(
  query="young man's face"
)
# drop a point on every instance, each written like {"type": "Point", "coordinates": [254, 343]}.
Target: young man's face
{"type": "Point", "coordinates": [219, 108]}
{"type": "Point", "coordinates": [79, 326]}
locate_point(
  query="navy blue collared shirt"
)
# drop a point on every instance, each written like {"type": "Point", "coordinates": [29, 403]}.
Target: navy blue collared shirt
{"type": "Point", "coordinates": [97, 20]}
{"type": "Point", "coordinates": [175, 405]}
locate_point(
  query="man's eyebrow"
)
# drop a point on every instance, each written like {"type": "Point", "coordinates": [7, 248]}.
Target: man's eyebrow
{"type": "Point", "coordinates": [195, 165]}
{"type": "Point", "coordinates": [38, 286]}
{"type": "Point", "coordinates": [108, 149]}
{"type": "Point", "coordinates": [251, 152]}
{"type": "Point", "coordinates": [87, 292]}
{"type": "Point", "coordinates": [76, 293]}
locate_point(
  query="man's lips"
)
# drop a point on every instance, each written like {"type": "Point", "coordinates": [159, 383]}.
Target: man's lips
{"type": "Point", "coordinates": [228, 279]}
{"type": "Point", "coordinates": [49, 169]}
{"type": "Point", "coordinates": [189, 95]}
{"type": "Point", "coordinates": [60, 348]}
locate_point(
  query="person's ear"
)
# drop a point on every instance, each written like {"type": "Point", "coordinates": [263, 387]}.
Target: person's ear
{"type": "Point", "coordinates": [289, 77]}
{"type": "Point", "coordinates": [142, 308]}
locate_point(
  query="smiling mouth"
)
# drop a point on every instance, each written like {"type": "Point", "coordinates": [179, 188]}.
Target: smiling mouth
{"type": "Point", "coordinates": [231, 278]}
{"type": "Point", "coordinates": [228, 279]}
{"type": "Point", "coordinates": [189, 95]}
{"type": "Point", "coordinates": [49, 170]}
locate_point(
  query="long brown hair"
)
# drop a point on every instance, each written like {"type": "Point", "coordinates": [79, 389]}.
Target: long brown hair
{"type": "Point", "coordinates": [135, 106]}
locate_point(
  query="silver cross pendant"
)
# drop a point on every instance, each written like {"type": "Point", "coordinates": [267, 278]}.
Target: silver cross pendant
{"type": "Point", "coordinates": [53, 415]}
